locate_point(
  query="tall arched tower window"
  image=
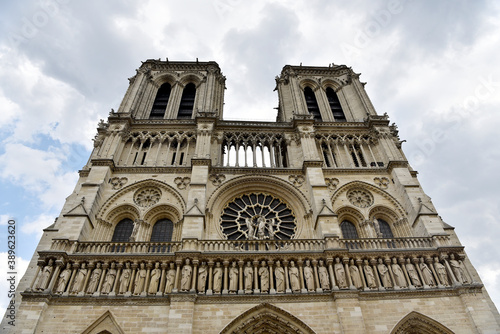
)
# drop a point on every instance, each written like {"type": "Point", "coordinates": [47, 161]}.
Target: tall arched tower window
{"type": "Point", "coordinates": [123, 230]}
{"type": "Point", "coordinates": [187, 101]}
{"type": "Point", "coordinates": [348, 230]}
{"type": "Point", "coordinates": [161, 101]}
{"type": "Point", "coordinates": [333, 100]}
{"type": "Point", "coordinates": [162, 231]}
{"type": "Point", "coordinates": [312, 104]}
{"type": "Point", "coordinates": [385, 229]}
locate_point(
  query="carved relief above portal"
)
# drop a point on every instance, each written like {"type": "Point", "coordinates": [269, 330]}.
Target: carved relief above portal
{"type": "Point", "coordinates": [360, 198]}
{"type": "Point", "coordinates": [147, 197]}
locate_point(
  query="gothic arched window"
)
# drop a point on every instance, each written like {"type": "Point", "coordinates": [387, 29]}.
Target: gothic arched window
{"type": "Point", "coordinates": [187, 101]}
{"type": "Point", "coordinates": [312, 104]}
{"type": "Point", "coordinates": [123, 230]}
{"type": "Point", "coordinates": [161, 101]}
{"type": "Point", "coordinates": [385, 229]}
{"type": "Point", "coordinates": [162, 231]}
{"type": "Point", "coordinates": [333, 100]}
{"type": "Point", "coordinates": [348, 230]}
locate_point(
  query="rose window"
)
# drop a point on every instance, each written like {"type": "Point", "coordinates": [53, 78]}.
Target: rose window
{"type": "Point", "coordinates": [258, 216]}
{"type": "Point", "coordinates": [147, 197]}
{"type": "Point", "coordinates": [360, 198]}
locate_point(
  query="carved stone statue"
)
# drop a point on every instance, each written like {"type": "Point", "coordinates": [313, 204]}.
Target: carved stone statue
{"type": "Point", "coordinates": [63, 279]}
{"type": "Point", "coordinates": [261, 227]}
{"type": "Point", "coordinates": [78, 284]}
{"type": "Point", "coordinates": [355, 277]}
{"type": "Point", "coordinates": [94, 279]}
{"type": "Point", "coordinates": [44, 278]}
{"type": "Point", "coordinates": [340, 273]}
{"type": "Point", "coordinates": [279, 274]}
{"type": "Point", "coordinates": [202, 277]}
{"type": "Point", "coordinates": [324, 280]}
{"type": "Point", "coordinates": [457, 270]}
{"type": "Point", "coordinates": [155, 279]}
{"type": "Point", "coordinates": [376, 226]}
{"type": "Point", "coordinates": [187, 271]}
{"type": "Point", "coordinates": [135, 230]}
{"type": "Point", "coordinates": [293, 271]}
{"type": "Point", "coordinates": [441, 272]}
{"type": "Point", "coordinates": [370, 276]}
{"type": "Point", "coordinates": [385, 276]}
{"type": "Point", "coordinates": [270, 228]}
{"type": "Point", "coordinates": [308, 276]}
{"type": "Point", "coordinates": [248, 274]}
{"type": "Point", "coordinates": [170, 278]}
{"type": "Point", "coordinates": [250, 228]}
{"type": "Point", "coordinates": [426, 273]}
{"type": "Point", "coordinates": [125, 278]}
{"type": "Point", "coordinates": [140, 279]}
{"type": "Point", "coordinates": [264, 277]}
{"type": "Point", "coordinates": [412, 273]}
{"type": "Point", "coordinates": [217, 278]}
{"type": "Point", "coordinates": [107, 286]}
{"type": "Point", "coordinates": [233, 278]}
{"type": "Point", "coordinates": [399, 275]}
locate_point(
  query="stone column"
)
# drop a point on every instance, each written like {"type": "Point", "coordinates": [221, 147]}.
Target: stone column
{"type": "Point", "coordinates": [90, 268]}
{"type": "Point", "coordinates": [161, 288]}
{"type": "Point", "coordinates": [415, 261]}
{"type": "Point", "coordinates": [301, 276]}
{"type": "Point", "coordinates": [361, 273]}
{"type": "Point", "coordinates": [287, 279]}
{"type": "Point", "coordinates": [256, 276]}
{"type": "Point", "coordinates": [103, 275]}
{"type": "Point", "coordinates": [373, 262]}
{"type": "Point", "coordinates": [316, 279]}
{"type": "Point", "coordinates": [178, 264]}
{"type": "Point", "coordinates": [119, 267]}
{"type": "Point", "coordinates": [240, 277]}
{"type": "Point", "coordinates": [210, 277]}
{"type": "Point", "coordinates": [149, 265]}
{"type": "Point", "coordinates": [55, 275]}
{"type": "Point", "coordinates": [345, 261]}
{"type": "Point", "coordinates": [194, 276]}
{"type": "Point", "coordinates": [225, 289]}
{"type": "Point", "coordinates": [272, 291]}
{"type": "Point", "coordinates": [329, 262]}
{"type": "Point", "coordinates": [133, 266]}
{"type": "Point", "coordinates": [388, 264]}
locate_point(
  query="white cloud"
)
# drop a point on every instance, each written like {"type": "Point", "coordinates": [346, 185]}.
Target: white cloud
{"type": "Point", "coordinates": [37, 224]}
{"type": "Point", "coordinates": [39, 172]}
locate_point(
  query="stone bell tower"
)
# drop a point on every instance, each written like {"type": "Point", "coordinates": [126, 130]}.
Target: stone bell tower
{"type": "Point", "coordinates": [183, 222]}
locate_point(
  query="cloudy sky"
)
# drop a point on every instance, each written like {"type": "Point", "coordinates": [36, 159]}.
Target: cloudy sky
{"type": "Point", "coordinates": [434, 67]}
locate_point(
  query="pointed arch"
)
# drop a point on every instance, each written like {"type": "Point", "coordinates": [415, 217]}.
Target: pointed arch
{"type": "Point", "coordinates": [175, 201]}
{"type": "Point", "coordinates": [417, 323]}
{"type": "Point", "coordinates": [106, 323]}
{"type": "Point", "coordinates": [397, 207]}
{"type": "Point", "coordinates": [267, 318]}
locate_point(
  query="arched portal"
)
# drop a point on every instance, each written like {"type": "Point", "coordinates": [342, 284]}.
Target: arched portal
{"type": "Point", "coordinates": [417, 323]}
{"type": "Point", "coordinates": [267, 318]}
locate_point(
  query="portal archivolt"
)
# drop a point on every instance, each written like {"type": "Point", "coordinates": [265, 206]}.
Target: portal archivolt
{"type": "Point", "coordinates": [267, 318]}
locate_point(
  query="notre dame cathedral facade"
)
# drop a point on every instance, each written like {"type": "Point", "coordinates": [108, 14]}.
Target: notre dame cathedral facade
{"type": "Point", "coordinates": [183, 222]}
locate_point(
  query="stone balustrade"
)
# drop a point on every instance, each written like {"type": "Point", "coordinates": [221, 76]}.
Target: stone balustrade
{"type": "Point", "coordinates": [293, 245]}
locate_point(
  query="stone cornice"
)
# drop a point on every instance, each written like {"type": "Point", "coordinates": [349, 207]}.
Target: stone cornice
{"type": "Point", "coordinates": [103, 163]}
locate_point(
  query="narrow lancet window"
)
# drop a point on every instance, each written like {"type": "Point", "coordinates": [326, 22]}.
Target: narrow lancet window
{"type": "Point", "coordinates": [161, 101]}
{"type": "Point", "coordinates": [187, 101]}
{"type": "Point", "coordinates": [312, 104]}
{"type": "Point", "coordinates": [333, 100]}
